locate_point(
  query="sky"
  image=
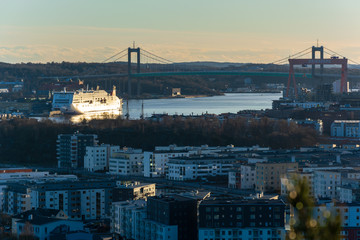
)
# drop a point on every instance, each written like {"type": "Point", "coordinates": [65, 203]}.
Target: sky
{"type": "Point", "coordinates": [258, 31]}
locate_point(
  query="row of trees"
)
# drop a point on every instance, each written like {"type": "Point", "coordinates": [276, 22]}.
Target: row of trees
{"type": "Point", "coordinates": [28, 141]}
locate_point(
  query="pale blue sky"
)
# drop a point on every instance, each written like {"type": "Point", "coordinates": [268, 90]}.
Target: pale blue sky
{"type": "Point", "coordinates": [197, 30]}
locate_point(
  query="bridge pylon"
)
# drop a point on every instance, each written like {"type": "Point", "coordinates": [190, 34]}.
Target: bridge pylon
{"type": "Point", "coordinates": [130, 51]}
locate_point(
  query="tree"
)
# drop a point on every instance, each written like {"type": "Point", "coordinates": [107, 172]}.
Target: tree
{"type": "Point", "coordinates": [303, 225]}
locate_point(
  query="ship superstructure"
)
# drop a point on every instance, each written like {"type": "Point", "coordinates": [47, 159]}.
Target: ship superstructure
{"type": "Point", "coordinates": [84, 101]}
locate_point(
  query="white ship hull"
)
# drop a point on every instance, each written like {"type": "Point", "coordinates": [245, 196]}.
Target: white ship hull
{"type": "Point", "coordinates": [81, 102]}
{"type": "Point", "coordinates": [87, 108]}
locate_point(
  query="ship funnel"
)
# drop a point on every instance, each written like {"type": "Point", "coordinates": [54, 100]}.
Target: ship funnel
{"type": "Point", "coordinates": [113, 91]}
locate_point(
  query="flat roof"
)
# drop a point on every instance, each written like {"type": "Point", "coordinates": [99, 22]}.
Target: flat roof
{"type": "Point", "coordinates": [241, 202]}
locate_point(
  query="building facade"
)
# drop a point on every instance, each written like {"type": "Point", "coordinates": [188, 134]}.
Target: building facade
{"type": "Point", "coordinates": [345, 128]}
{"type": "Point", "coordinates": [71, 149]}
{"type": "Point", "coordinates": [242, 177]}
{"type": "Point", "coordinates": [174, 210]}
{"type": "Point", "coordinates": [130, 221]}
{"type": "Point", "coordinates": [236, 219]}
{"type": "Point", "coordinates": [155, 163]}
{"type": "Point", "coordinates": [350, 217]}
{"type": "Point", "coordinates": [42, 224]}
{"type": "Point", "coordinates": [97, 157]}
{"type": "Point", "coordinates": [128, 161]}
{"type": "Point", "coordinates": [81, 200]}
{"type": "Point", "coordinates": [198, 166]}
{"type": "Point", "coordinates": [133, 191]}
{"type": "Point", "coordinates": [269, 174]}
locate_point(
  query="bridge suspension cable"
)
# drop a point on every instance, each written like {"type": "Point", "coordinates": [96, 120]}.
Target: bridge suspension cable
{"type": "Point", "coordinates": [158, 57]}
{"type": "Point", "coordinates": [117, 54]}
{"type": "Point", "coordinates": [153, 58]}
{"type": "Point", "coordinates": [292, 56]}
{"type": "Point", "coordinates": [339, 55]}
{"type": "Point", "coordinates": [121, 57]}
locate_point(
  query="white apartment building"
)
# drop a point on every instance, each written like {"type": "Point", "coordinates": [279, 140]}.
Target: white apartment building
{"type": "Point", "coordinates": [327, 183]}
{"type": "Point", "coordinates": [128, 161]}
{"type": "Point", "coordinates": [243, 178]}
{"type": "Point", "coordinates": [79, 200]}
{"type": "Point", "coordinates": [349, 191]}
{"type": "Point", "coordinates": [197, 166]}
{"type": "Point", "coordinates": [345, 128]}
{"type": "Point", "coordinates": [126, 217]}
{"type": "Point", "coordinates": [129, 221]}
{"type": "Point", "coordinates": [347, 194]}
{"type": "Point", "coordinates": [26, 175]}
{"type": "Point", "coordinates": [155, 163]}
{"type": "Point", "coordinates": [288, 179]}
{"type": "Point", "coordinates": [97, 157]}
{"type": "Point", "coordinates": [234, 179]}
{"type": "Point", "coordinates": [248, 176]}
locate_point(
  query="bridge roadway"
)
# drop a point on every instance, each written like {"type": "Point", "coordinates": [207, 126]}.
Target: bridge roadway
{"type": "Point", "coordinates": [200, 73]}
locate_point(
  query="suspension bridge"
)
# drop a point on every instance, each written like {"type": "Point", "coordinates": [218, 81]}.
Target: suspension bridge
{"type": "Point", "coordinates": [148, 64]}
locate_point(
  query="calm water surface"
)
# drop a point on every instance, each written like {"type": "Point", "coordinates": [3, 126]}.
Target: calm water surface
{"type": "Point", "coordinates": [230, 102]}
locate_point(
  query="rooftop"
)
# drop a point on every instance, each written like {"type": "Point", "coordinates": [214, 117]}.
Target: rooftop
{"type": "Point", "coordinates": [170, 198]}
{"type": "Point", "coordinates": [251, 202]}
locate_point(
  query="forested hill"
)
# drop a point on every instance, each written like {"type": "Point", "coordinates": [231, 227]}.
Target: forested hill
{"type": "Point", "coordinates": [29, 142]}
{"type": "Point", "coordinates": [33, 76]}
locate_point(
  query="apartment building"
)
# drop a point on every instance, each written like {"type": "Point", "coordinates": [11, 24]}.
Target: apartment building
{"type": "Point", "coordinates": [133, 191]}
{"type": "Point", "coordinates": [127, 218]}
{"type": "Point", "coordinates": [239, 219]}
{"type": "Point", "coordinates": [12, 175]}
{"type": "Point", "coordinates": [130, 221]}
{"type": "Point", "coordinates": [328, 182]}
{"type": "Point", "coordinates": [155, 163]}
{"type": "Point", "coordinates": [269, 174]}
{"type": "Point", "coordinates": [289, 177]}
{"type": "Point", "coordinates": [43, 224]}
{"type": "Point", "coordinates": [350, 217]}
{"type": "Point", "coordinates": [199, 166]}
{"type": "Point", "coordinates": [71, 149]}
{"type": "Point", "coordinates": [349, 191]}
{"type": "Point", "coordinates": [81, 200]}
{"type": "Point", "coordinates": [174, 210]}
{"type": "Point", "coordinates": [162, 217]}
{"type": "Point", "coordinates": [97, 157]}
{"type": "Point", "coordinates": [242, 177]}
{"type": "Point", "coordinates": [345, 128]}
{"type": "Point", "coordinates": [127, 161]}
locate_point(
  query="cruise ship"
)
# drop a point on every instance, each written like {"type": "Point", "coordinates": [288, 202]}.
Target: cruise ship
{"type": "Point", "coordinates": [86, 101]}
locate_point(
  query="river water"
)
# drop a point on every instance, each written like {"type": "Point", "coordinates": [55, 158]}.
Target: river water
{"type": "Point", "coordinates": [228, 103]}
